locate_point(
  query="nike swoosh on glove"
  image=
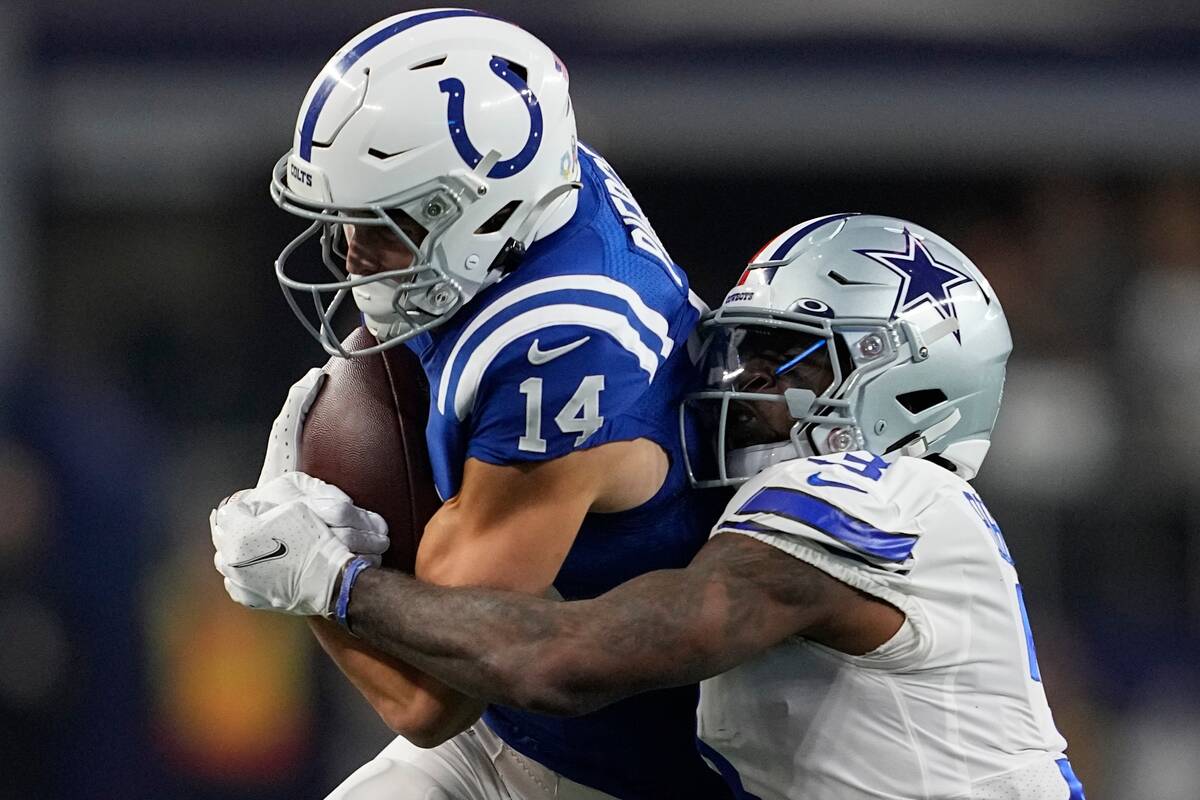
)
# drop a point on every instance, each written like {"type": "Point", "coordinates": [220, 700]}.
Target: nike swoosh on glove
{"type": "Point", "coordinates": [283, 558]}
{"type": "Point", "coordinates": [363, 532]}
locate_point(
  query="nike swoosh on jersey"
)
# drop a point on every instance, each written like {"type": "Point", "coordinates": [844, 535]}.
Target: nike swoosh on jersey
{"type": "Point", "coordinates": [537, 356]}
{"type": "Point", "coordinates": [278, 552]}
{"type": "Point", "coordinates": [816, 480]}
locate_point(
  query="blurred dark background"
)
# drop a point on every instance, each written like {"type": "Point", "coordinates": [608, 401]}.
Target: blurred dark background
{"type": "Point", "coordinates": [145, 346]}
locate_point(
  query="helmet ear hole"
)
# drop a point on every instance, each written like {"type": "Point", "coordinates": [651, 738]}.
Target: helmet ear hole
{"type": "Point", "coordinates": [496, 221]}
{"type": "Point", "coordinates": [921, 400]}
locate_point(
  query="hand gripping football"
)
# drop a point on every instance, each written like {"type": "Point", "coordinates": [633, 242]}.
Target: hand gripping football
{"type": "Point", "coordinates": [365, 434]}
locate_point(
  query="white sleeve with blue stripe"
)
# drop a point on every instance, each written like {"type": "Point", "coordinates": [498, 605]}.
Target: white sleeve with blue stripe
{"type": "Point", "coordinates": [849, 517]}
{"type": "Point", "coordinates": [553, 366]}
{"type": "Point", "coordinates": [840, 505]}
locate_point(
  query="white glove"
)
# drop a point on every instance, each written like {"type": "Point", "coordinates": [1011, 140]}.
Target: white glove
{"type": "Point", "coordinates": [275, 506]}
{"type": "Point", "coordinates": [285, 558]}
{"type": "Point", "coordinates": [283, 448]}
{"type": "Point", "coordinates": [362, 532]}
{"type": "Point", "coordinates": [279, 483]}
{"type": "Point", "coordinates": [300, 503]}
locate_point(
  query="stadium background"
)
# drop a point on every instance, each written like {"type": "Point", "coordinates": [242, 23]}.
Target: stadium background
{"type": "Point", "coordinates": [144, 345]}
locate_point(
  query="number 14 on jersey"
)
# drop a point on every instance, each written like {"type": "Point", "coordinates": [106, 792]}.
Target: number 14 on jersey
{"type": "Point", "coordinates": [580, 415]}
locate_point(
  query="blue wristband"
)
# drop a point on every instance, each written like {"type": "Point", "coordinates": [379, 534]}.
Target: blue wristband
{"type": "Point", "coordinates": [348, 578]}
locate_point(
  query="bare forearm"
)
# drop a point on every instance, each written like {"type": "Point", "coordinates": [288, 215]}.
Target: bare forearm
{"type": "Point", "coordinates": [661, 629]}
{"type": "Point", "coordinates": [409, 701]}
{"type": "Point", "coordinates": [667, 628]}
{"type": "Point", "coordinates": [381, 679]}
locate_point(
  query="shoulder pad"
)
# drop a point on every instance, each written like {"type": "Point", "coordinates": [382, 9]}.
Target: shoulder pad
{"type": "Point", "coordinates": [849, 503]}
{"type": "Point", "coordinates": [554, 390]}
{"type": "Point", "coordinates": [546, 310]}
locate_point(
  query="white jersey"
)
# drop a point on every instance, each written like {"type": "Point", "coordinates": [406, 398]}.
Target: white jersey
{"type": "Point", "coordinates": [951, 707]}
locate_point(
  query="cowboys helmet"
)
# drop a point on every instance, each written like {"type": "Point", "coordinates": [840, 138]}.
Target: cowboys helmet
{"type": "Point", "coordinates": [851, 332]}
{"type": "Point", "coordinates": [446, 118]}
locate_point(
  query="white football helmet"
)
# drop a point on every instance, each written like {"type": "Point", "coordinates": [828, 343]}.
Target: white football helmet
{"type": "Point", "coordinates": [908, 332]}
{"type": "Point", "coordinates": [458, 120]}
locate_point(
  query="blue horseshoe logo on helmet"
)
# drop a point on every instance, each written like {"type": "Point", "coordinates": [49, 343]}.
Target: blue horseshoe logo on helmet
{"type": "Point", "coordinates": [456, 96]}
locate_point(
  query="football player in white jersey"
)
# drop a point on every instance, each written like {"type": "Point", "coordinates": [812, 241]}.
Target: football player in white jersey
{"type": "Point", "coordinates": [856, 614]}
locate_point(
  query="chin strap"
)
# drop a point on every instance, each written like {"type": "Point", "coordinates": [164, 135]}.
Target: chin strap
{"type": "Point", "coordinates": [920, 446]}
{"type": "Point", "coordinates": [508, 259]}
{"type": "Point", "coordinates": [513, 252]}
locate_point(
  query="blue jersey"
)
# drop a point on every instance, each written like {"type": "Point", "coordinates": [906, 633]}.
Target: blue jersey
{"type": "Point", "coordinates": [585, 343]}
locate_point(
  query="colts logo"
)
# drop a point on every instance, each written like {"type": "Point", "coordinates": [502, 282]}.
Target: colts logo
{"type": "Point", "coordinates": [456, 92]}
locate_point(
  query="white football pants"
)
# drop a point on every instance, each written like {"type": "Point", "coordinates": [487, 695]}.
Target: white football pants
{"type": "Point", "coordinates": [474, 765]}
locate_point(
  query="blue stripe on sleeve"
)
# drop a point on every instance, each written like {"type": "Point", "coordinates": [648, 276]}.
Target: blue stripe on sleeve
{"type": "Point", "coordinates": [487, 321]}
{"type": "Point", "coordinates": [831, 521]}
{"type": "Point", "coordinates": [754, 527]}
{"type": "Point", "coordinates": [1034, 672]}
{"type": "Point", "coordinates": [1064, 766]}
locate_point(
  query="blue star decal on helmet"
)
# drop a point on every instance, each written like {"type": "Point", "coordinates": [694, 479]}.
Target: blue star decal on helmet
{"type": "Point", "coordinates": [922, 278]}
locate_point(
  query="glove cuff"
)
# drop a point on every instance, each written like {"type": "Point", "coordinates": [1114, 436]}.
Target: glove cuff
{"type": "Point", "coordinates": [349, 577]}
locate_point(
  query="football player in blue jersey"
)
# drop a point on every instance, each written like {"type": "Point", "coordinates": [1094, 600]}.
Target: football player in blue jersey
{"type": "Point", "coordinates": [436, 155]}
{"type": "Point", "coordinates": [856, 615]}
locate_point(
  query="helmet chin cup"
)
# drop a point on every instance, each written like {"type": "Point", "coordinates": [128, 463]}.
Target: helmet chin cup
{"type": "Point", "coordinates": [377, 299]}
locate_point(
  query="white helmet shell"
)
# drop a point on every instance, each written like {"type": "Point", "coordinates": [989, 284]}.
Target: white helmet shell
{"type": "Point", "coordinates": [460, 120]}
{"type": "Point", "coordinates": [917, 338]}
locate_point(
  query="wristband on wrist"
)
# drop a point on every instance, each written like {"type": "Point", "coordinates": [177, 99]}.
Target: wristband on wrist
{"type": "Point", "coordinates": [348, 578]}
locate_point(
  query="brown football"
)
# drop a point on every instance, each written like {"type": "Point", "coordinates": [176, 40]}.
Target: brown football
{"type": "Point", "coordinates": [365, 434]}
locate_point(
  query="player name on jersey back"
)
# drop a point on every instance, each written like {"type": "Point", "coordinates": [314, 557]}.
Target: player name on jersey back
{"type": "Point", "coordinates": [640, 231]}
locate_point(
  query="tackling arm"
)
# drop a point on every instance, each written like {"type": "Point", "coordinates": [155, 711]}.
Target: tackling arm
{"type": "Point", "coordinates": [667, 628]}
{"type": "Point", "coordinates": [509, 528]}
